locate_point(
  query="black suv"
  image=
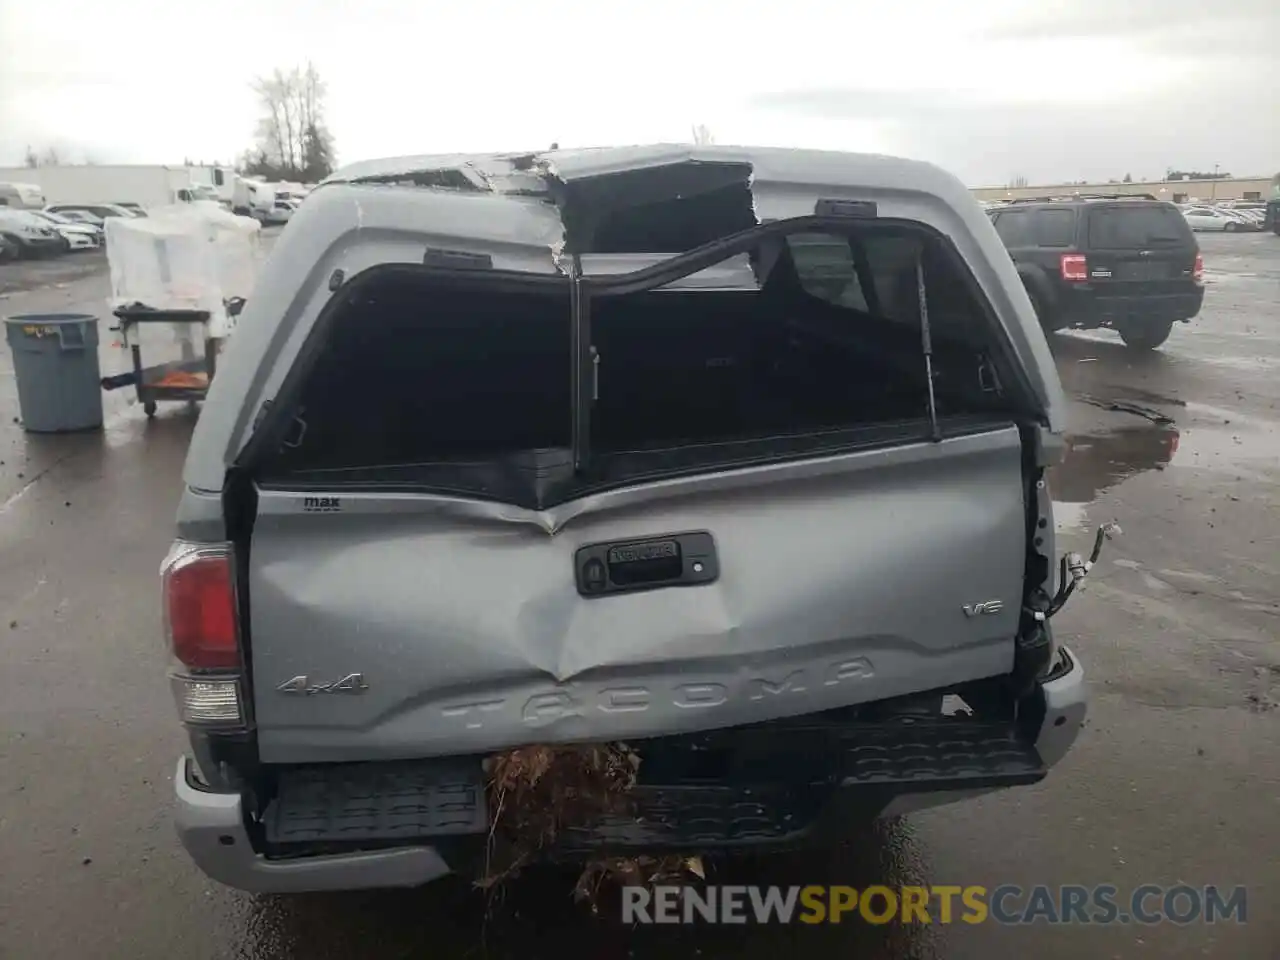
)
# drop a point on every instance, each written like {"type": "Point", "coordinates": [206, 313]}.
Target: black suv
{"type": "Point", "coordinates": [1128, 263]}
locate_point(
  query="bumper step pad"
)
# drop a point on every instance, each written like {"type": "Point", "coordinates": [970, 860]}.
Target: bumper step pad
{"type": "Point", "coordinates": [375, 802]}
{"type": "Point", "coordinates": [700, 817]}
{"type": "Point", "coordinates": [862, 763]}
{"type": "Point", "coordinates": [772, 786]}
{"type": "Point", "coordinates": [939, 757]}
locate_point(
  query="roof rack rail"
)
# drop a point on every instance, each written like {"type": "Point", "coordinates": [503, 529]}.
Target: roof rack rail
{"type": "Point", "coordinates": [1068, 197]}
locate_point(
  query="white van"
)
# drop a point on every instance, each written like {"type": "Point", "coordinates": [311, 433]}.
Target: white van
{"type": "Point", "coordinates": [22, 196]}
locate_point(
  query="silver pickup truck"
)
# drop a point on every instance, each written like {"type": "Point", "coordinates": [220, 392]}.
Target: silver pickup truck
{"type": "Point", "coordinates": [737, 456]}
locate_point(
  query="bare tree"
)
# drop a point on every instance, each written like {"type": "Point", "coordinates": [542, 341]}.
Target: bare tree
{"type": "Point", "coordinates": [1018, 181]}
{"type": "Point", "coordinates": [55, 157]}
{"type": "Point", "coordinates": [293, 142]}
{"type": "Point", "coordinates": [272, 135]}
{"type": "Point", "coordinates": [49, 157]}
{"type": "Point", "coordinates": [702, 135]}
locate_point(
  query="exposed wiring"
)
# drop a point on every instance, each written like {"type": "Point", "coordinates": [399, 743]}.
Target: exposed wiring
{"type": "Point", "coordinates": [1075, 568]}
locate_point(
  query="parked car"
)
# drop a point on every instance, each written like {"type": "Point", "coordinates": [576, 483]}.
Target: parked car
{"type": "Point", "coordinates": [444, 501]}
{"type": "Point", "coordinates": [21, 196]}
{"type": "Point", "coordinates": [80, 216]}
{"type": "Point", "coordinates": [31, 236]}
{"type": "Point", "coordinates": [1123, 263]}
{"type": "Point", "coordinates": [101, 210]}
{"type": "Point", "coordinates": [79, 236]}
{"type": "Point", "coordinates": [1215, 219]}
{"type": "Point", "coordinates": [281, 211]}
{"type": "Point", "coordinates": [134, 208]}
{"type": "Point", "coordinates": [1252, 211]}
{"type": "Point", "coordinates": [1245, 215]}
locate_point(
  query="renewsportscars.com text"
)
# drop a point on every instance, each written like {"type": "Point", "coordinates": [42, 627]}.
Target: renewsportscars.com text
{"type": "Point", "coordinates": [1008, 904]}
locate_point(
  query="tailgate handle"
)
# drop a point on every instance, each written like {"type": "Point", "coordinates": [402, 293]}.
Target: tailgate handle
{"type": "Point", "coordinates": [624, 566]}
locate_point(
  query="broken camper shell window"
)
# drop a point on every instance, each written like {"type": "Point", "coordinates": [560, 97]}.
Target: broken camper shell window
{"type": "Point", "coordinates": [673, 208]}
{"type": "Point", "coordinates": [469, 385]}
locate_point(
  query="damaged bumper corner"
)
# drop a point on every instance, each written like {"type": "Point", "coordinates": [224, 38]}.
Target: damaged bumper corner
{"type": "Point", "coordinates": [1066, 697]}
{"type": "Point", "coordinates": [211, 826]}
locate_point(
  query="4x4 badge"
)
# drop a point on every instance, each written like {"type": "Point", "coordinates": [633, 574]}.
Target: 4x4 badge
{"type": "Point", "coordinates": [351, 683]}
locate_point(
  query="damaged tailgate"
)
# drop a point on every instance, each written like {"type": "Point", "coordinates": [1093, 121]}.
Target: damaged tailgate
{"type": "Point", "coordinates": [838, 582]}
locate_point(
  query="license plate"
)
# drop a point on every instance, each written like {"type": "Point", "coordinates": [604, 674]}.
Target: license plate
{"type": "Point", "coordinates": [1143, 270]}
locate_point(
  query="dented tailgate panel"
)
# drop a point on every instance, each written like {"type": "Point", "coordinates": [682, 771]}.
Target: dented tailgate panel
{"type": "Point", "coordinates": [840, 581]}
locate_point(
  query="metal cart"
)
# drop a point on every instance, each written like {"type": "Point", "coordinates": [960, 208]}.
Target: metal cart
{"type": "Point", "coordinates": [186, 378]}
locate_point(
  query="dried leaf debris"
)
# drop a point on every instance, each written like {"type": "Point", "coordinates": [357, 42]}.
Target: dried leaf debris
{"type": "Point", "coordinates": [535, 793]}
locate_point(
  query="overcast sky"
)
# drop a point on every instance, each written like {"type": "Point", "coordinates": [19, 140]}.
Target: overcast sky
{"type": "Point", "coordinates": [989, 89]}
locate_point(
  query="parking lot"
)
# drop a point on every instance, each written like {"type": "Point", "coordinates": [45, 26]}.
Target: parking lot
{"type": "Point", "coordinates": [1176, 778]}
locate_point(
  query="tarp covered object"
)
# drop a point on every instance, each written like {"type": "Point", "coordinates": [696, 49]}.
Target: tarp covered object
{"type": "Point", "coordinates": [189, 256]}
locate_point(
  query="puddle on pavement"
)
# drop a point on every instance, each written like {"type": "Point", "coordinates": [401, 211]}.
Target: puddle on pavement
{"type": "Point", "coordinates": [1094, 463]}
{"type": "Point", "coordinates": [1213, 439]}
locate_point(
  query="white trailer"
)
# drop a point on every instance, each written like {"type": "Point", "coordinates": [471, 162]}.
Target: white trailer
{"type": "Point", "coordinates": [253, 198]}
{"type": "Point", "coordinates": [217, 180]}
{"type": "Point", "coordinates": [149, 186]}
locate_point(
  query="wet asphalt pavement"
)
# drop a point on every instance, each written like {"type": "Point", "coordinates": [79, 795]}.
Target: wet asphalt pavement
{"type": "Point", "coordinates": [1176, 777]}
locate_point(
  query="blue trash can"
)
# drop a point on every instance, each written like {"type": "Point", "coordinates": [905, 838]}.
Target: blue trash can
{"type": "Point", "coordinates": [55, 361]}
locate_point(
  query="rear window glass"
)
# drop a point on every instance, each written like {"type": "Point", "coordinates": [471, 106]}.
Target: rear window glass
{"type": "Point", "coordinates": [870, 274]}
{"type": "Point", "coordinates": [825, 268]}
{"type": "Point", "coordinates": [1014, 227]}
{"type": "Point", "coordinates": [1056, 228]}
{"type": "Point", "coordinates": [1136, 226]}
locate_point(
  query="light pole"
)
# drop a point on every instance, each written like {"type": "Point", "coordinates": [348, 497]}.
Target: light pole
{"type": "Point", "coordinates": [1213, 187]}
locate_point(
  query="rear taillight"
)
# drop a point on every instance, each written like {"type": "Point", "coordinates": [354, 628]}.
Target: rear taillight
{"type": "Point", "coordinates": [200, 622]}
{"type": "Point", "coordinates": [1074, 266]}
{"type": "Point", "coordinates": [200, 606]}
{"type": "Point", "coordinates": [1197, 271]}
